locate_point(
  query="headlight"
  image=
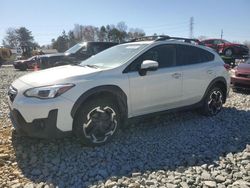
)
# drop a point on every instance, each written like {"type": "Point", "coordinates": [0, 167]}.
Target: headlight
{"type": "Point", "coordinates": [48, 92]}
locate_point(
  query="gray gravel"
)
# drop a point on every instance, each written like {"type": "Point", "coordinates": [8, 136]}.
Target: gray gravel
{"type": "Point", "coordinates": [175, 150]}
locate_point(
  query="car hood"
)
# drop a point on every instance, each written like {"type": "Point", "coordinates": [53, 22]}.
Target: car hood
{"type": "Point", "coordinates": [243, 67]}
{"type": "Point", "coordinates": [58, 75]}
{"type": "Point", "coordinates": [19, 61]}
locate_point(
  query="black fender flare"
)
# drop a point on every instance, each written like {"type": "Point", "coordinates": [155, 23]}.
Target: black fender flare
{"type": "Point", "coordinates": [115, 90]}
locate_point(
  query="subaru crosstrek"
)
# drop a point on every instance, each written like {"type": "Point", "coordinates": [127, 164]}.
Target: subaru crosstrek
{"type": "Point", "coordinates": [95, 98]}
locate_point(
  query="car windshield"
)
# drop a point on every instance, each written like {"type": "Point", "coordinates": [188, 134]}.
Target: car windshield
{"type": "Point", "coordinates": [31, 58]}
{"type": "Point", "coordinates": [225, 41]}
{"type": "Point", "coordinates": [75, 48]}
{"type": "Point", "coordinates": [115, 56]}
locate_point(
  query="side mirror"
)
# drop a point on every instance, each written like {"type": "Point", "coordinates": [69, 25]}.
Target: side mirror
{"type": "Point", "coordinates": [148, 65]}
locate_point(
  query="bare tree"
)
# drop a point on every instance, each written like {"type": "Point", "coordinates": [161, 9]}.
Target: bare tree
{"type": "Point", "coordinates": [121, 26]}
{"type": "Point", "coordinates": [11, 39]}
{"type": "Point", "coordinates": [135, 33]}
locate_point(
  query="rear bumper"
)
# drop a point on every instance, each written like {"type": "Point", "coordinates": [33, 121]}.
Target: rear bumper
{"type": "Point", "coordinates": [39, 128]}
{"type": "Point", "coordinates": [238, 82]}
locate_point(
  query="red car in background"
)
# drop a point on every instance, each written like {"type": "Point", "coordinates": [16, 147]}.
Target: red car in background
{"type": "Point", "coordinates": [240, 76]}
{"type": "Point", "coordinates": [227, 49]}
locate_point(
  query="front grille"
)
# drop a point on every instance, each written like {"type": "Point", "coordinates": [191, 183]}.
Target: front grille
{"type": "Point", "coordinates": [12, 93]}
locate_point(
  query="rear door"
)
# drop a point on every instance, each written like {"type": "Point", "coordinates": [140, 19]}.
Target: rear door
{"type": "Point", "coordinates": [197, 68]}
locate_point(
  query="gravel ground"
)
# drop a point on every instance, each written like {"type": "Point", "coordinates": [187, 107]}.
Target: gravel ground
{"type": "Point", "coordinates": [174, 150]}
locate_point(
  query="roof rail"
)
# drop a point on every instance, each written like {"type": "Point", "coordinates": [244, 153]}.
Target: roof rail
{"type": "Point", "coordinates": [188, 40]}
{"type": "Point", "coordinates": [153, 37]}
{"type": "Point", "coordinates": [166, 37]}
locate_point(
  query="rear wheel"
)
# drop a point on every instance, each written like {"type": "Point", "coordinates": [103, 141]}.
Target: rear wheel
{"type": "Point", "coordinates": [228, 52]}
{"type": "Point", "coordinates": [213, 102]}
{"type": "Point", "coordinates": [97, 121]}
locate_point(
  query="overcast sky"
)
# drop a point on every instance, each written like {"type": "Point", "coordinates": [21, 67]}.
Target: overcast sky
{"type": "Point", "coordinates": [48, 18]}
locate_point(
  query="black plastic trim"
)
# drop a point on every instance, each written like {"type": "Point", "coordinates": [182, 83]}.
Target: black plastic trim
{"type": "Point", "coordinates": [115, 90]}
{"type": "Point", "coordinates": [38, 128]}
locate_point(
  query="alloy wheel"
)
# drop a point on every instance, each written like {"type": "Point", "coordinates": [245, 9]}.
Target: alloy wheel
{"type": "Point", "coordinates": [215, 102]}
{"type": "Point", "coordinates": [100, 125]}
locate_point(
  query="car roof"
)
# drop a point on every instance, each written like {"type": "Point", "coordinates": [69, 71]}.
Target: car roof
{"type": "Point", "coordinates": [92, 42]}
{"type": "Point", "coordinates": [212, 39]}
{"type": "Point", "coordinates": [139, 42]}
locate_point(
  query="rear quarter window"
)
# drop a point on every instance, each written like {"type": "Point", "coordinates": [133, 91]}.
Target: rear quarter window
{"type": "Point", "coordinates": [187, 55]}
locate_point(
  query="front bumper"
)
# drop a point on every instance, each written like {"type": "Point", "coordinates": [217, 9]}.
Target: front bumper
{"type": "Point", "coordinates": [240, 82]}
{"type": "Point", "coordinates": [39, 128]}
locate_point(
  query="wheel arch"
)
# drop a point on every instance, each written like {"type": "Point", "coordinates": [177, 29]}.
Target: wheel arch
{"type": "Point", "coordinates": [221, 83]}
{"type": "Point", "coordinates": [115, 92]}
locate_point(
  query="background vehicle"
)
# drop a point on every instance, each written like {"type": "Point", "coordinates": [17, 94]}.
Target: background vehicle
{"type": "Point", "coordinates": [74, 55]}
{"type": "Point", "coordinates": [227, 49]}
{"type": "Point", "coordinates": [26, 64]}
{"type": "Point", "coordinates": [127, 81]}
{"type": "Point", "coordinates": [240, 76]}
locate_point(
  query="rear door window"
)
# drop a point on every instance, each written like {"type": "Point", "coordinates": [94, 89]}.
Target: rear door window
{"type": "Point", "coordinates": [188, 55]}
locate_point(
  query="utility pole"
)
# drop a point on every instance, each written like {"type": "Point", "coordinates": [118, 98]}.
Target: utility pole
{"type": "Point", "coordinates": [191, 27]}
{"type": "Point", "coordinates": [221, 34]}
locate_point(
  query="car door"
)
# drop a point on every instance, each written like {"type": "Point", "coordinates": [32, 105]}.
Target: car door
{"type": "Point", "coordinates": [157, 90]}
{"type": "Point", "coordinates": [197, 68]}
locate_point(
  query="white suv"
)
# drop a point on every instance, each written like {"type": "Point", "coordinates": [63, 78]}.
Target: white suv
{"type": "Point", "coordinates": [93, 99]}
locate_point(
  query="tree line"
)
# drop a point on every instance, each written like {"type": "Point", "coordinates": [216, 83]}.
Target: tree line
{"type": "Point", "coordinates": [110, 33]}
{"type": "Point", "coordinates": [17, 37]}
{"type": "Point", "coordinates": [22, 37]}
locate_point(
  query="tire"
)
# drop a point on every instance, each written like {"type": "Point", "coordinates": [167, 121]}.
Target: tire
{"type": "Point", "coordinates": [97, 121]}
{"type": "Point", "coordinates": [213, 102]}
{"type": "Point", "coordinates": [23, 67]}
{"type": "Point", "coordinates": [228, 52]}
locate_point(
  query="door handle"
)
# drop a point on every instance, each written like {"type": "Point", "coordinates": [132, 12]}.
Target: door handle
{"type": "Point", "coordinates": [176, 75]}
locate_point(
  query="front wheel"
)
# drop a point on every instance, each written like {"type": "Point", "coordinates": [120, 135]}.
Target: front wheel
{"type": "Point", "coordinates": [213, 102]}
{"type": "Point", "coordinates": [97, 121]}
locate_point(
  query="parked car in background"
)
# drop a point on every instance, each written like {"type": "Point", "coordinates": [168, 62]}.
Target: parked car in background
{"type": "Point", "coordinates": [227, 49]}
{"type": "Point", "coordinates": [74, 55]}
{"type": "Point", "coordinates": [26, 64]}
{"type": "Point", "coordinates": [93, 100]}
{"type": "Point", "coordinates": [240, 76]}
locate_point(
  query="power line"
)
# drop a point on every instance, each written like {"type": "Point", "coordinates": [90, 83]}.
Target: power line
{"type": "Point", "coordinates": [191, 27]}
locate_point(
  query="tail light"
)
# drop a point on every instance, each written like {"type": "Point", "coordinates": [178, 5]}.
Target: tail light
{"type": "Point", "coordinates": [227, 67]}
